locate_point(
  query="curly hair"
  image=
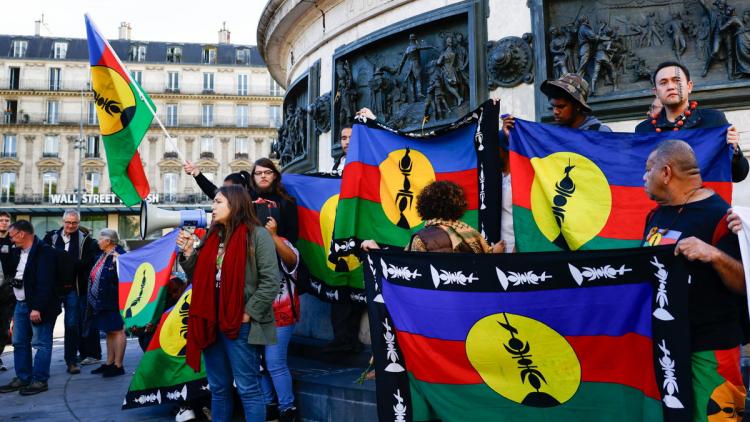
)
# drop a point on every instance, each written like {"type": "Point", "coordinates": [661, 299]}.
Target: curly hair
{"type": "Point", "coordinates": [445, 200]}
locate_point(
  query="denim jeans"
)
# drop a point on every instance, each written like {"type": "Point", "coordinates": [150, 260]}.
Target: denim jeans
{"type": "Point", "coordinates": [22, 344]}
{"type": "Point", "coordinates": [237, 360]}
{"type": "Point", "coordinates": [72, 326]}
{"type": "Point", "coordinates": [90, 345]}
{"type": "Point", "coordinates": [280, 379]}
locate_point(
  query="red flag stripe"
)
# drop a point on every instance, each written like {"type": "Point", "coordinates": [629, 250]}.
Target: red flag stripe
{"type": "Point", "coordinates": [137, 176]}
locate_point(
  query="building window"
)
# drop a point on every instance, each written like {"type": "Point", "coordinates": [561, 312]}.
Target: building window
{"type": "Point", "coordinates": [9, 146]}
{"type": "Point", "coordinates": [19, 48]}
{"type": "Point", "coordinates": [171, 147]}
{"type": "Point", "coordinates": [242, 84]}
{"type": "Point", "coordinates": [93, 119]}
{"type": "Point", "coordinates": [49, 181]}
{"type": "Point", "coordinates": [53, 112]}
{"type": "Point", "coordinates": [137, 76]}
{"type": "Point", "coordinates": [92, 146]}
{"type": "Point", "coordinates": [241, 147]}
{"type": "Point", "coordinates": [51, 146]}
{"type": "Point", "coordinates": [207, 119]}
{"type": "Point", "coordinates": [172, 115]}
{"type": "Point", "coordinates": [137, 53]}
{"type": "Point", "coordinates": [243, 56]}
{"type": "Point", "coordinates": [170, 186]}
{"type": "Point", "coordinates": [7, 187]}
{"type": "Point", "coordinates": [173, 81]}
{"type": "Point", "coordinates": [209, 55]}
{"type": "Point", "coordinates": [60, 50]}
{"type": "Point", "coordinates": [275, 114]}
{"type": "Point", "coordinates": [242, 116]}
{"type": "Point", "coordinates": [174, 54]}
{"type": "Point", "coordinates": [54, 78]}
{"type": "Point", "coordinates": [275, 89]}
{"type": "Point", "coordinates": [15, 78]}
{"type": "Point", "coordinates": [93, 182]}
{"type": "Point", "coordinates": [208, 82]}
{"type": "Point", "coordinates": [207, 146]}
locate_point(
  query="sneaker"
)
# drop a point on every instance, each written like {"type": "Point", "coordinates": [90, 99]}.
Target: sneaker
{"type": "Point", "coordinates": [206, 412]}
{"type": "Point", "coordinates": [73, 369]}
{"type": "Point", "coordinates": [90, 361]}
{"type": "Point", "coordinates": [184, 414]}
{"type": "Point", "coordinates": [272, 412]}
{"type": "Point", "coordinates": [101, 368]}
{"type": "Point", "coordinates": [113, 371]}
{"type": "Point", "coordinates": [35, 387]}
{"type": "Point", "coordinates": [288, 415]}
{"type": "Point", "coordinates": [15, 385]}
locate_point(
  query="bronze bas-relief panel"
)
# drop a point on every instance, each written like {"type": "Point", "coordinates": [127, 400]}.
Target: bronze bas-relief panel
{"type": "Point", "coordinates": [616, 44]}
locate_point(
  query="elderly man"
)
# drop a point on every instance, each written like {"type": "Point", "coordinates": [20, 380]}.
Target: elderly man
{"type": "Point", "coordinates": [695, 218]}
{"type": "Point", "coordinates": [36, 310]}
{"type": "Point", "coordinates": [81, 250]}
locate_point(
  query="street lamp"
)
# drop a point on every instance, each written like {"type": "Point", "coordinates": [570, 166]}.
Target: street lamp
{"type": "Point", "coordinates": [80, 145]}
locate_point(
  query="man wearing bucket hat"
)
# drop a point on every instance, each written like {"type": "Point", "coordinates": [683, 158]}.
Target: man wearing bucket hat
{"type": "Point", "coordinates": [567, 96]}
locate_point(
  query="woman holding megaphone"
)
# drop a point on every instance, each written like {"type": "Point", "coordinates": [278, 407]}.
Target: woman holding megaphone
{"type": "Point", "coordinates": [235, 280]}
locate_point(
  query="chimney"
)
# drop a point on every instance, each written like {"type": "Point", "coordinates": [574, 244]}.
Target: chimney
{"type": "Point", "coordinates": [224, 34]}
{"type": "Point", "coordinates": [38, 26]}
{"type": "Point", "coordinates": [125, 29]}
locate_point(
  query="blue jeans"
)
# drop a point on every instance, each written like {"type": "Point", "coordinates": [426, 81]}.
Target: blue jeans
{"type": "Point", "coordinates": [22, 344]}
{"type": "Point", "coordinates": [72, 326]}
{"type": "Point", "coordinates": [227, 360]}
{"type": "Point", "coordinates": [280, 379]}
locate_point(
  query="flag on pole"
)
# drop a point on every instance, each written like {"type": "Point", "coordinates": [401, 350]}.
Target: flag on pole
{"type": "Point", "coordinates": [125, 113]}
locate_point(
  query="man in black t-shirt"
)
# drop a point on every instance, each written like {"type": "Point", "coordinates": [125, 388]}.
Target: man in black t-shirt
{"type": "Point", "coordinates": [694, 218]}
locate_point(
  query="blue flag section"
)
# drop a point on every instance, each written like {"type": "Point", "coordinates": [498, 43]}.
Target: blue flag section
{"type": "Point", "coordinates": [563, 336]}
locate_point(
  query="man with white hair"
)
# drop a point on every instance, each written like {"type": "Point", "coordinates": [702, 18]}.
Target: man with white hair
{"type": "Point", "coordinates": [81, 249]}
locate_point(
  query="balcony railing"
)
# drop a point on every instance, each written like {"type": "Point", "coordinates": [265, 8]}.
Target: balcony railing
{"type": "Point", "coordinates": [241, 156]}
{"type": "Point", "coordinates": [9, 154]}
{"type": "Point", "coordinates": [170, 154]}
{"type": "Point", "coordinates": [92, 155]}
{"type": "Point", "coordinates": [28, 84]}
{"type": "Point", "coordinates": [187, 121]}
{"type": "Point", "coordinates": [207, 154]}
{"type": "Point", "coordinates": [50, 154]}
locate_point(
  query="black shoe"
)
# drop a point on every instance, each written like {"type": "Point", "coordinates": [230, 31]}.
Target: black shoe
{"type": "Point", "coordinates": [272, 412]}
{"type": "Point", "coordinates": [289, 415]}
{"type": "Point", "coordinates": [113, 371]}
{"type": "Point", "coordinates": [35, 387]}
{"type": "Point", "coordinates": [15, 385]}
{"type": "Point", "coordinates": [73, 369]}
{"type": "Point", "coordinates": [101, 368]}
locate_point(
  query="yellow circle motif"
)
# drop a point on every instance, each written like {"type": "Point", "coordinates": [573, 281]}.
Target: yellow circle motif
{"type": "Point", "coordinates": [172, 337]}
{"type": "Point", "coordinates": [570, 199]}
{"type": "Point", "coordinates": [114, 99]}
{"type": "Point", "coordinates": [523, 360]}
{"type": "Point", "coordinates": [141, 290]}
{"type": "Point", "coordinates": [403, 174]}
{"type": "Point", "coordinates": [327, 217]}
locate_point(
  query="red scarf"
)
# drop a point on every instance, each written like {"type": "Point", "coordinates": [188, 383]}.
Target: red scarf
{"type": "Point", "coordinates": [202, 317]}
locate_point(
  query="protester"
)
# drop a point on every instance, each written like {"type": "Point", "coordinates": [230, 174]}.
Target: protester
{"type": "Point", "coordinates": [672, 86]}
{"type": "Point", "coordinates": [103, 310]}
{"type": "Point", "coordinates": [346, 135]}
{"type": "Point", "coordinates": [697, 217]}
{"type": "Point", "coordinates": [235, 279]}
{"type": "Point", "coordinates": [7, 299]}
{"type": "Point", "coordinates": [567, 96]}
{"type": "Point", "coordinates": [81, 250]}
{"type": "Point", "coordinates": [241, 178]}
{"type": "Point", "coordinates": [286, 309]}
{"type": "Point", "coordinates": [441, 204]}
{"type": "Point", "coordinates": [36, 310]}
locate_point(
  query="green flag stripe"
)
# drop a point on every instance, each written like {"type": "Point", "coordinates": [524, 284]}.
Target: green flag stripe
{"type": "Point", "coordinates": [158, 369]}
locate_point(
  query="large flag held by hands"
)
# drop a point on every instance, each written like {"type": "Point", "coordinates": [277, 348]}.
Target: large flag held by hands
{"type": "Point", "coordinates": [578, 190]}
{"type": "Point", "coordinates": [125, 113]}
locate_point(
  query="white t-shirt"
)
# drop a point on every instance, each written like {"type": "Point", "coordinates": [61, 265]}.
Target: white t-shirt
{"type": "Point", "coordinates": [506, 216]}
{"type": "Point", "coordinates": [21, 293]}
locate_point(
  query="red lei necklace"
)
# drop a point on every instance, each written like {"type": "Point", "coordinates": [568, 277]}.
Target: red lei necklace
{"type": "Point", "coordinates": [680, 121]}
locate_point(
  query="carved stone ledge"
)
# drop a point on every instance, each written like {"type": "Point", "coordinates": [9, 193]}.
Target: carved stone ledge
{"type": "Point", "coordinates": [510, 61]}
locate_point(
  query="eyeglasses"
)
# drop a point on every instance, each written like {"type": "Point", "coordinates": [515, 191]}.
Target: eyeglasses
{"type": "Point", "coordinates": [263, 172]}
{"type": "Point", "coordinates": [13, 234]}
{"type": "Point", "coordinates": [71, 223]}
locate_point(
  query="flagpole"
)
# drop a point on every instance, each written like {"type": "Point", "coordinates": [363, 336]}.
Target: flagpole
{"type": "Point", "coordinates": [140, 93]}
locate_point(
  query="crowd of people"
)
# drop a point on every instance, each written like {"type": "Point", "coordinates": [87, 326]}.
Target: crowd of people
{"type": "Point", "coordinates": [245, 302]}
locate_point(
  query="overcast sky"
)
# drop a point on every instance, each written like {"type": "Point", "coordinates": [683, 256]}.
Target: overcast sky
{"type": "Point", "coordinates": [152, 20]}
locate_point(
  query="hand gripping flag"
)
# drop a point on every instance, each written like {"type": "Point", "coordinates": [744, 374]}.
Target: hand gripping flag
{"type": "Point", "coordinates": [578, 190]}
{"type": "Point", "coordinates": [386, 170]}
{"type": "Point", "coordinates": [125, 113]}
{"type": "Point", "coordinates": [144, 274]}
{"type": "Point", "coordinates": [556, 336]}
{"type": "Point", "coordinates": [163, 375]}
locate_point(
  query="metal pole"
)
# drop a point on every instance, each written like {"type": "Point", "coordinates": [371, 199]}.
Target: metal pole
{"type": "Point", "coordinates": [80, 145]}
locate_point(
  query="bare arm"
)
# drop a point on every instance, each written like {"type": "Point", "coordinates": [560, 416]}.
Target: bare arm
{"type": "Point", "coordinates": [729, 269]}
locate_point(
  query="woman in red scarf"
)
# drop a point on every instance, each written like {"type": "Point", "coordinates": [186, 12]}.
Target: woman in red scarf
{"type": "Point", "coordinates": [235, 280]}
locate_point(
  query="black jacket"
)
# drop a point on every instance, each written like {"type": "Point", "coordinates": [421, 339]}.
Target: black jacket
{"type": "Point", "coordinates": [39, 280]}
{"type": "Point", "coordinates": [700, 118]}
{"type": "Point", "coordinates": [76, 269]}
{"type": "Point", "coordinates": [7, 258]}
